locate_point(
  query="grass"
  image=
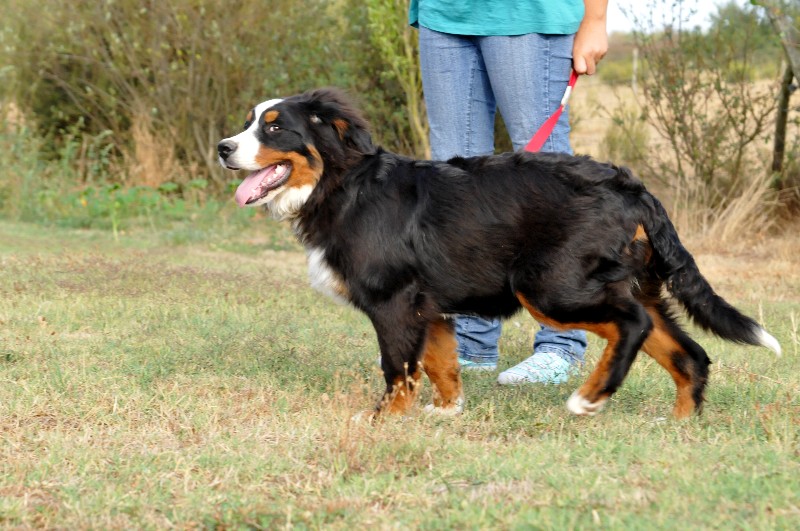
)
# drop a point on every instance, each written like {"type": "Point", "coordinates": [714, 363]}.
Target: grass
{"type": "Point", "coordinates": [190, 378]}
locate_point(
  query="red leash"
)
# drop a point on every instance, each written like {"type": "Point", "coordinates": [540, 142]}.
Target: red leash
{"type": "Point", "coordinates": [547, 127]}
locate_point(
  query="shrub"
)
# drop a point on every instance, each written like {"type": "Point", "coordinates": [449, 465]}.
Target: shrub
{"type": "Point", "coordinates": [169, 79]}
{"type": "Point", "coordinates": [73, 189]}
{"type": "Point", "coordinates": [709, 115]}
{"type": "Point", "coordinates": [619, 72]}
{"type": "Point", "coordinates": [23, 170]}
{"type": "Point", "coordinates": [626, 141]}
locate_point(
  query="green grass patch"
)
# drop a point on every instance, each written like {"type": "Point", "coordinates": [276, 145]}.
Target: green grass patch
{"type": "Point", "coordinates": [189, 377]}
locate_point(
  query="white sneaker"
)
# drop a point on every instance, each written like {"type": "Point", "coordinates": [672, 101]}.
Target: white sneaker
{"type": "Point", "coordinates": [542, 367]}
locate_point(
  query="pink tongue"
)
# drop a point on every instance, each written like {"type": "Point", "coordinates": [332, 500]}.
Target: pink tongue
{"type": "Point", "coordinates": [251, 187]}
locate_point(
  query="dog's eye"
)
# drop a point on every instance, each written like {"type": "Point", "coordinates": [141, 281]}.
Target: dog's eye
{"type": "Point", "coordinates": [272, 128]}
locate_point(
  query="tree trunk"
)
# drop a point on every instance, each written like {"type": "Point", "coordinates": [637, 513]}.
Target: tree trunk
{"type": "Point", "coordinates": [779, 145]}
{"type": "Point", "coordinates": [788, 33]}
{"type": "Point", "coordinates": [790, 39]}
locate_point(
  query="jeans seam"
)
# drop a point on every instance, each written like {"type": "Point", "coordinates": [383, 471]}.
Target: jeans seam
{"type": "Point", "coordinates": [467, 151]}
{"type": "Point", "coordinates": [548, 65]}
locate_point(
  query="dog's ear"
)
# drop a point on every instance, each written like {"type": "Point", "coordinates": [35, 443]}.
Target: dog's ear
{"type": "Point", "coordinates": [331, 107]}
{"type": "Point", "coordinates": [354, 134]}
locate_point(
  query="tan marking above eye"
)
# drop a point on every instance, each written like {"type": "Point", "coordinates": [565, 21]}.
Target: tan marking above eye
{"type": "Point", "coordinates": [271, 116]}
{"type": "Point", "coordinates": [341, 127]}
{"type": "Point", "coordinates": [249, 116]}
{"type": "Point", "coordinates": [640, 233]}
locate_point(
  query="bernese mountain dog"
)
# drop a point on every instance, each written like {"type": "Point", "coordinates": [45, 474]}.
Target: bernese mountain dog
{"type": "Point", "coordinates": [411, 243]}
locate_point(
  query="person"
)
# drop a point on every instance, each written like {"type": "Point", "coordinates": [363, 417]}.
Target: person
{"type": "Point", "coordinates": [516, 55]}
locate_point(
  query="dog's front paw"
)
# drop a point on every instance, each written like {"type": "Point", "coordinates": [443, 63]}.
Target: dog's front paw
{"type": "Point", "coordinates": [456, 408]}
{"type": "Point", "coordinates": [579, 405]}
{"type": "Point", "coordinates": [366, 416]}
{"type": "Point", "coordinates": [582, 406]}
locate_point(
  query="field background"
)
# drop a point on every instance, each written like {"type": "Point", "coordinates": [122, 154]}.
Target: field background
{"type": "Point", "coordinates": [190, 378]}
{"type": "Point", "coordinates": [164, 364]}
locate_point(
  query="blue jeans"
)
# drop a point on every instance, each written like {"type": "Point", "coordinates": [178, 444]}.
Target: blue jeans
{"type": "Point", "coordinates": [465, 79]}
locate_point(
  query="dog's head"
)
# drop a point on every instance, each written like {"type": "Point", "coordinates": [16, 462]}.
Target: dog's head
{"type": "Point", "coordinates": [289, 144]}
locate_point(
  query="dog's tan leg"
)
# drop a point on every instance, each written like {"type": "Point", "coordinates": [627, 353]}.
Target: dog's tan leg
{"type": "Point", "coordinates": [440, 361]}
{"type": "Point", "coordinates": [397, 400]}
{"type": "Point", "coordinates": [593, 394]}
{"type": "Point", "coordinates": [403, 393]}
{"type": "Point", "coordinates": [689, 376]}
{"type": "Point", "coordinates": [660, 346]}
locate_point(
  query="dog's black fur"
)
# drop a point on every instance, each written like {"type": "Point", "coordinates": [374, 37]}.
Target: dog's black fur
{"type": "Point", "coordinates": [579, 243]}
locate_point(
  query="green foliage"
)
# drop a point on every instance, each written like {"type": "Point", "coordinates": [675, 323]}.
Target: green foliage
{"type": "Point", "coordinates": [117, 93]}
{"type": "Point", "coordinates": [748, 28]}
{"type": "Point", "coordinates": [617, 66]}
{"type": "Point", "coordinates": [22, 171]}
{"type": "Point", "coordinates": [193, 67]}
{"type": "Point", "coordinates": [398, 45]}
{"type": "Point", "coordinates": [700, 98]}
{"type": "Point", "coordinates": [626, 142]}
{"type": "Point", "coordinates": [74, 190]}
{"type": "Point", "coordinates": [618, 72]}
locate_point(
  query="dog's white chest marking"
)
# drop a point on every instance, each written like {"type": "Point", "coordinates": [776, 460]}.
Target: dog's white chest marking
{"type": "Point", "coordinates": [323, 278]}
{"type": "Point", "coordinates": [286, 201]}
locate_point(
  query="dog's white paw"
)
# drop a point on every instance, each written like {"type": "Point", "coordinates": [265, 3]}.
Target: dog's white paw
{"type": "Point", "coordinates": [363, 417]}
{"type": "Point", "coordinates": [455, 409]}
{"type": "Point", "coordinates": [580, 406]}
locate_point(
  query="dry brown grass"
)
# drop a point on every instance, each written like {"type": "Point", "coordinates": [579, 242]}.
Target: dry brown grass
{"type": "Point", "coordinates": [589, 121]}
{"type": "Point", "coordinates": [152, 160]}
{"type": "Point", "coordinates": [745, 215]}
{"type": "Point", "coordinates": [13, 118]}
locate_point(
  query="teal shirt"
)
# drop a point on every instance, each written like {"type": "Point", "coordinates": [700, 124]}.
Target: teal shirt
{"type": "Point", "coordinates": [497, 17]}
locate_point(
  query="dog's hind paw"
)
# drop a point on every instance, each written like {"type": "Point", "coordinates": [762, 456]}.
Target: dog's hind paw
{"type": "Point", "coordinates": [456, 409]}
{"type": "Point", "coordinates": [581, 406]}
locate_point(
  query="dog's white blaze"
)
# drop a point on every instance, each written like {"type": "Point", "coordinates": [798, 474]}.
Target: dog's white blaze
{"type": "Point", "coordinates": [247, 145]}
{"type": "Point", "coordinates": [323, 278]}
{"type": "Point", "coordinates": [264, 105]}
{"type": "Point", "coordinates": [580, 406]}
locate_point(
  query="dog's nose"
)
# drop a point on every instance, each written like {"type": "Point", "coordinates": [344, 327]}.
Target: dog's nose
{"type": "Point", "coordinates": [225, 148]}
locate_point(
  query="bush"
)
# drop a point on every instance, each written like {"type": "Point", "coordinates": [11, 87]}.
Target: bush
{"type": "Point", "coordinates": [619, 72]}
{"type": "Point", "coordinates": [700, 99]}
{"type": "Point", "coordinates": [626, 142]}
{"type": "Point", "coordinates": [74, 190]}
{"type": "Point", "coordinates": [23, 171]}
{"type": "Point", "coordinates": [167, 80]}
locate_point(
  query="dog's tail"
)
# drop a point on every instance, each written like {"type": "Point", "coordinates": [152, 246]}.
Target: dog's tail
{"type": "Point", "coordinates": [676, 267]}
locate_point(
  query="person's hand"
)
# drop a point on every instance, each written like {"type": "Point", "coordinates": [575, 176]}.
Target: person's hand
{"type": "Point", "coordinates": [590, 45]}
